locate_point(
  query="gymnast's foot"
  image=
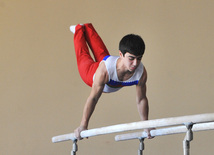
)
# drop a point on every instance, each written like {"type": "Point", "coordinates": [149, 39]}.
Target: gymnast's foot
{"type": "Point", "coordinates": [72, 28]}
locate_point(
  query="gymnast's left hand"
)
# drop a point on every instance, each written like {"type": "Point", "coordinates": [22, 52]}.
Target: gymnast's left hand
{"type": "Point", "coordinates": [149, 136]}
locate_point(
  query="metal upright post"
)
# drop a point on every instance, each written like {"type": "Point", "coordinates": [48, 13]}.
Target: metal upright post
{"type": "Point", "coordinates": [188, 138]}
{"type": "Point", "coordinates": [75, 147]}
{"type": "Point", "coordinates": [141, 147]}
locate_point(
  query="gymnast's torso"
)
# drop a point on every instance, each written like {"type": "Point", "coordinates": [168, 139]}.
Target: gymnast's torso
{"type": "Point", "coordinates": [114, 84]}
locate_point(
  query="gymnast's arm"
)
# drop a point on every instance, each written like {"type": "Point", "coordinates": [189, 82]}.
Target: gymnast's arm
{"type": "Point", "coordinates": [141, 99]}
{"type": "Point", "coordinates": [100, 80]}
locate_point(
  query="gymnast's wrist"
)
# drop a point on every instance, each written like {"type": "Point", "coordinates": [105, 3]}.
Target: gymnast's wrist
{"type": "Point", "coordinates": [84, 125]}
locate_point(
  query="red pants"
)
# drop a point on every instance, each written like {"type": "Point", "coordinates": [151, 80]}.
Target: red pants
{"type": "Point", "coordinates": [87, 66]}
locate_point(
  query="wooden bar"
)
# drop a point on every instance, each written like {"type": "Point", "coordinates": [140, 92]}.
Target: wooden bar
{"type": "Point", "coordinates": [165, 131]}
{"type": "Point", "coordinates": [64, 137]}
{"type": "Point", "coordinates": [200, 118]}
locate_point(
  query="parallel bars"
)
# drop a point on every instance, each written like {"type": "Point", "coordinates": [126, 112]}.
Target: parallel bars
{"type": "Point", "coordinates": [200, 118]}
{"type": "Point", "coordinates": [190, 121]}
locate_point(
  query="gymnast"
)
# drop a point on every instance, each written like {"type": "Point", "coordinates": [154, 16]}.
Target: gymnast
{"type": "Point", "coordinates": [109, 73]}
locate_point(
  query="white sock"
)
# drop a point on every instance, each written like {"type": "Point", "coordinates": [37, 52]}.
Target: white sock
{"type": "Point", "coordinates": [72, 28]}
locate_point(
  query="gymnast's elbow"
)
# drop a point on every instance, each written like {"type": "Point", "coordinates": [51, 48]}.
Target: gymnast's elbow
{"type": "Point", "coordinates": [92, 100]}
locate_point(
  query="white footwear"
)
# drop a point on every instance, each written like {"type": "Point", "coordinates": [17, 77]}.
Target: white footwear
{"type": "Point", "coordinates": [72, 28]}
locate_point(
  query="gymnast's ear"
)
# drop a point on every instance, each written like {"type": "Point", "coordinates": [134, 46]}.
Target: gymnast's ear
{"type": "Point", "coordinates": [120, 53]}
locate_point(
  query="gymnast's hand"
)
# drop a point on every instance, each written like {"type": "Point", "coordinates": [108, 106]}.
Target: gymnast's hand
{"type": "Point", "coordinates": [148, 132]}
{"type": "Point", "coordinates": [77, 132]}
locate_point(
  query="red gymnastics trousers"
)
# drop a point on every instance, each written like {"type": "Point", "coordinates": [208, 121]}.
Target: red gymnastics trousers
{"type": "Point", "coordinates": [87, 66]}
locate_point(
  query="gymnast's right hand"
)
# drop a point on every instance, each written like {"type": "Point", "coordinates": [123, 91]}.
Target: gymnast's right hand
{"type": "Point", "coordinates": [77, 132]}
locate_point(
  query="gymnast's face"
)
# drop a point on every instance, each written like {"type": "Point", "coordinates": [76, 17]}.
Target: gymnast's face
{"type": "Point", "coordinates": [131, 61]}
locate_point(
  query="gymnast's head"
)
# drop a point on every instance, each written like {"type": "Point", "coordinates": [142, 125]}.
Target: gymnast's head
{"type": "Point", "coordinates": [132, 44]}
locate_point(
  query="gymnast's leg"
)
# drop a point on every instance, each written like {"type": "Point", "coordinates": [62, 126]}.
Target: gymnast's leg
{"type": "Point", "coordinates": [86, 65]}
{"type": "Point", "coordinates": [95, 43]}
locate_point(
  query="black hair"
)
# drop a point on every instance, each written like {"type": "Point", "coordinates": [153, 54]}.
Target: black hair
{"type": "Point", "coordinates": [132, 44]}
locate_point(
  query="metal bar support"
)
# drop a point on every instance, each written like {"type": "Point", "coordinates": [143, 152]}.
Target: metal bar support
{"type": "Point", "coordinates": [188, 138]}
{"type": "Point", "coordinates": [141, 147]}
{"type": "Point", "coordinates": [75, 147]}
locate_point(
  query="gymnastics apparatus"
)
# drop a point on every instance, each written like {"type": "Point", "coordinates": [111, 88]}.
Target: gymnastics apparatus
{"type": "Point", "coordinates": [184, 124]}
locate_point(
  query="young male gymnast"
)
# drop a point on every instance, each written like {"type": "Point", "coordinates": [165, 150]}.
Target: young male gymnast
{"type": "Point", "coordinates": [109, 73]}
